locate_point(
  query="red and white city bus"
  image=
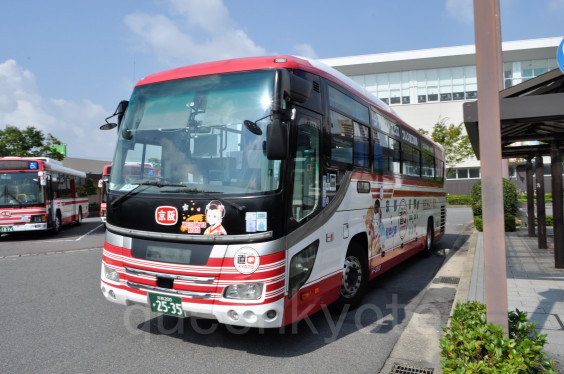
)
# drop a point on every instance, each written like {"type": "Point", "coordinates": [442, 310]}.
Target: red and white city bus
{"type": "Point", "coordinates": [40, 194]}
{"type": "Point", "coordinates": [105, 178]}
{"type": "Point", "coordinates": [283, 187]}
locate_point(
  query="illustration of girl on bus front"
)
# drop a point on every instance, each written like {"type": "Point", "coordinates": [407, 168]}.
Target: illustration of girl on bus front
{"type": "Point", "coordinates": [215, 211]}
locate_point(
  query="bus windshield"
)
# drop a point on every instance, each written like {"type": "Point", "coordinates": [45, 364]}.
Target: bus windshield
{"type": "Point", "coordinates": [191, 134]}
{"type": "Point", "coordinates": [20, 189]}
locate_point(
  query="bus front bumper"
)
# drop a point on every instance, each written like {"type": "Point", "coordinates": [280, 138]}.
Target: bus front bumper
{"type": "Point", "coordinates": [23, 227]}
{"type": "Point", "coordinates": [255, 315]}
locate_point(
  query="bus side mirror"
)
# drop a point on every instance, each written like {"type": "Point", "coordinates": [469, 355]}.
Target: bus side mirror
{"type": "Point", "coordinates": [119, 112]}
{"type": "Point", "coordinates": [277, 139]}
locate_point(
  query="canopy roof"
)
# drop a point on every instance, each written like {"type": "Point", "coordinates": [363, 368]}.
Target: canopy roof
{"type": "Point", "coordinates": [530, 111]}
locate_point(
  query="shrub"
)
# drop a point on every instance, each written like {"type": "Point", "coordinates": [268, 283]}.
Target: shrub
{"type": "Point", "coordinates": [510, 225]}
{"type": "Point", "coordinates": [459, 200]}
{"type": "Point", "coordinates": [549, 220]}
{"type": "Point", "coordinates": [510, 202]}
{"type": "Point", "coordinates": [478, 223]}
{"type": "Point", "coordinates": [94, 207]}
{"type": "Point", "coordinates": [476, 198]}
{"type": "Point", "coordinates": [472, 345]}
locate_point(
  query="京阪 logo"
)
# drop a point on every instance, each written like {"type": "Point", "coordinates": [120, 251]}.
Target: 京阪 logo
{"type": "Point", "coordinates": [166, 215]}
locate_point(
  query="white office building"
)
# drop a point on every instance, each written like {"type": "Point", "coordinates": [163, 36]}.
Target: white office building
{"type": "Point", "coordinates": [425, 86]}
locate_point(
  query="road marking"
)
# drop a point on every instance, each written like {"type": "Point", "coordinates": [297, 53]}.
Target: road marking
{"type": "Point", "coordinates": [48, 253]}
{"type": "Point", "coordinates": [89, 232]}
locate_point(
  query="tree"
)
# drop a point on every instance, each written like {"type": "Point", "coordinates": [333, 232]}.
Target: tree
{"type": "Point", "coordinates": [30, 142]}
{"type": "Point", "coordinates": [454, 140]}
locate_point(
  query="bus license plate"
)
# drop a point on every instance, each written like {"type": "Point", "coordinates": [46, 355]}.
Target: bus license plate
{"type": "Point", "coordinates": [165, 304]}
{"type": "Point", "coordinates": [6, 228]}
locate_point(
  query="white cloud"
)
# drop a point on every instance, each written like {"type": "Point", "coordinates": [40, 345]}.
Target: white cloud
{"type": "Point", "coordinates": [462, 10]}
{"type": "Point", "coordinates": [305, 50]}
{"type": "Point", "coordinates": [204, 32]}
{"type": "Point", "coordinates": [73, 123]}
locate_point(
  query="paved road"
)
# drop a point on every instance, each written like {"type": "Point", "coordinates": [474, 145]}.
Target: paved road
{"type": "Point", "coordinates": [54, 318]}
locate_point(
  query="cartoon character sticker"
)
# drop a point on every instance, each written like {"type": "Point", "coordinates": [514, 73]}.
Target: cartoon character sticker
{"type": "Point", "coordinates": [194, 220]}
{"type": "Point", "coordinates": [215, 211]}
{"type": "Point", "coordinates": [374, 225]}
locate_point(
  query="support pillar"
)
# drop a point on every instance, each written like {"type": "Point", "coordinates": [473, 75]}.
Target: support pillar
{"type": "Point", "coordinates": [530, 198]}
{"type": "Point", "coordinates": [489, 69]}
{"type": "Point", "coordinates": [557, 208]}
{"type": "Point", "coordinates": [541, 209]}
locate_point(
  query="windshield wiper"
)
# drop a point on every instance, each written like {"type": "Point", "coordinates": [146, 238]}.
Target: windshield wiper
{"type": "Point", "coordinates": [208, 194]}
{"type": "Point", "coordinates": [136, 190]}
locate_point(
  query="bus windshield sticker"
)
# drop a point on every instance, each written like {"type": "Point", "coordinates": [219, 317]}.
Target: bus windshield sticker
{"type": "Point", "coordinates": [128, 187]}
{"type": "Point", "coordinates": [215, 211]}
{"type": "Point", "coordinates": [256, 221]}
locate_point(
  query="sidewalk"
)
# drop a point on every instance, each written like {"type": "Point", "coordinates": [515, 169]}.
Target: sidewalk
{"type": "Point", "coordinates": [533, 286]}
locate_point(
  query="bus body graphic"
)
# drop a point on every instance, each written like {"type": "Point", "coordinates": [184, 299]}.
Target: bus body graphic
{"type": "Point", "coordinates": [40, 194]}
{"type": "Point", "coordinates": [279, 187]}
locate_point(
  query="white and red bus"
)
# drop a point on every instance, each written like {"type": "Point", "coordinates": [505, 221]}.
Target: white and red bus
{"type": "Point", "coordinates": [40, 194]}
{"type": "Point", "coordinates": [283, 187]}
{"type": "Point", "coordinates": [105, 178]}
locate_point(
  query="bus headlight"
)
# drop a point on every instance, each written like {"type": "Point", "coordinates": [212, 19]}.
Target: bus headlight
{"type": "Point", "coordinates": [244, 291]}
{"type": "Point", "coordinates": [110, 274]}
{"type": "Point", "coordinates": [38, 219]}
{"type": "Point", "coordinates": [300, 267]}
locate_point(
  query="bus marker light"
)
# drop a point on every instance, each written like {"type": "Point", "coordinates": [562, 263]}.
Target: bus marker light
{"type": "Point", "coordinates": [305, 296]}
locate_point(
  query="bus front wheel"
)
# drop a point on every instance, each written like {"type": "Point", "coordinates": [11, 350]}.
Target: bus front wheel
{"type": "Point", "coordinates": [355, 278]}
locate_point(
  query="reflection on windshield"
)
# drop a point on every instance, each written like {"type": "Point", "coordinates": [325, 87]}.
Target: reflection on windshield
{"type": "Point", "coordinates": [191, 133]}
{"type": "Point", "coordinates": [20, 189]}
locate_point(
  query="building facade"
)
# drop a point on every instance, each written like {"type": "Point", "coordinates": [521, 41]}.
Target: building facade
{"type": "Point", "coordinates": [428, 86]}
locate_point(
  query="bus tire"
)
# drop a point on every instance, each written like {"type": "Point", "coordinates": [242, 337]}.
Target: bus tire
{"type": "Point", "coordinates": [355, 278]}
{"type": "Point", "coordinates": [429, 239]}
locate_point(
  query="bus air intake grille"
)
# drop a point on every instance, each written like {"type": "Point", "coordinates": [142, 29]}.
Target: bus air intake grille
{"type": "Point", "coordinates": [405, 369]}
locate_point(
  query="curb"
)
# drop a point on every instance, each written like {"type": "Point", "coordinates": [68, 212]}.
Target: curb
{"type": "Point", "coordinates": [434, 308]}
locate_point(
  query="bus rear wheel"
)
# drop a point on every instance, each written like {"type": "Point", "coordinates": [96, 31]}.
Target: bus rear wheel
{"type": "Point", "coordinates": [355, 278]}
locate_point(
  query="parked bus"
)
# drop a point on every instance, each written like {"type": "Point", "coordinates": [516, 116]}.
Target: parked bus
{"type": "Point", "coordinates": [40, 194]}
{"type": "Point", "coordinates": [105, 178]}
{"type": "Point", "coordinates": [283, 187]}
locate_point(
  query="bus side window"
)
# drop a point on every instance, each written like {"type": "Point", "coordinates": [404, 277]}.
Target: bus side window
{"type": "Point", "coordinates": [342, 132]}
{"type": "Point", "coordinates": [306, 193]}
{"type": "Point", "coordinates": [361, 145]}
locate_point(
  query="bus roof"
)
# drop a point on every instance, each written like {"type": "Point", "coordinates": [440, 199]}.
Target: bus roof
{"type": "Point", "coordinates": [275, 62]}
{"type": "Point", "coordinates": [49, 164]}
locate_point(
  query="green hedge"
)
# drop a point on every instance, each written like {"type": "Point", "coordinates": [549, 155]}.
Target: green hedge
{"type": "Point", "coordinates": [510, 223]}
{"type": "Point", "coordinates": [459, 200]}
{"type": "Point", "coordinates": [471, 345]}
{"type": "Point", "coordinates": [510, 202]}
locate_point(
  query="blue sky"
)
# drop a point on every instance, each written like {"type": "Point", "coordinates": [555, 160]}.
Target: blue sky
{"type": "Point", "coordinates": [65, 64]}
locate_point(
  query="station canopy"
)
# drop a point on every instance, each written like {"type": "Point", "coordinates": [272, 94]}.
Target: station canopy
{"type": "Point", "coordinates": [530, 111]}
